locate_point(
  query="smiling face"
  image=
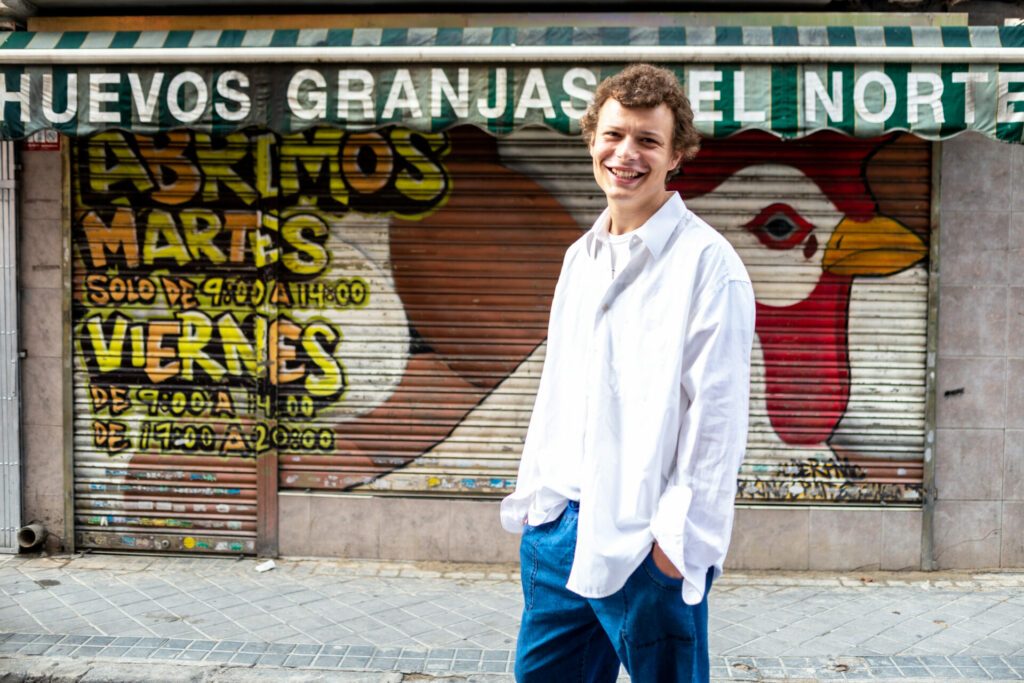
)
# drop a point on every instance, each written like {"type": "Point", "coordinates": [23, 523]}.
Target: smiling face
{"type": "Point", "coordinates": [633, 153]}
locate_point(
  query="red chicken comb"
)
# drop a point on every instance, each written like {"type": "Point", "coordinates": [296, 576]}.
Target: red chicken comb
{"type": "Point", "coordinates": [833, 161]}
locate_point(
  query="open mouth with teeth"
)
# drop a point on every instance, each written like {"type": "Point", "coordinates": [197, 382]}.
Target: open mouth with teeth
{"type": "Point", "coordinates": [625, 173]}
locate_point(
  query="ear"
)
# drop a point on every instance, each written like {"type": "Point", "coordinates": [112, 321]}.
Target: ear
{"type": "Point", "coordinates": [676, 158]}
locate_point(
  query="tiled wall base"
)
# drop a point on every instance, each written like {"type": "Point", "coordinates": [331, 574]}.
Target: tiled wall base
{"type": "Point", "coordinates": [391, 528]}
{"type": "Point", "coordinates": [376, 527]}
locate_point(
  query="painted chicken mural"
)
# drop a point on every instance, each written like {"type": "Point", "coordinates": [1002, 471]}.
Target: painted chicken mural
{"type": "Point", "coordinates": [371, 310]}
{"type": "Point", "coordinates": [807, 226]}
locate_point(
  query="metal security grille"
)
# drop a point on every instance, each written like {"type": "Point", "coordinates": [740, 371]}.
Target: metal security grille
{"type": "Point", "coordinates": [10, 396]}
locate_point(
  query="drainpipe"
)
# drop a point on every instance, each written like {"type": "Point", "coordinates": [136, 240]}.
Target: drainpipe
{"type": "Point", "coordinates": [10, 394]}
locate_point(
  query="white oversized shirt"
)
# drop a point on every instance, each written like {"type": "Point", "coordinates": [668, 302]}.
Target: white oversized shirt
{"type": "Point", "coordinates": [641, 413]}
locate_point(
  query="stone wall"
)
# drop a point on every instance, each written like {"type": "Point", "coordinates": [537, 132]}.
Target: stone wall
{"type": "Point", "coordinates": [979, 475]}
{"type": "Point", "coordinates": [41, 334]}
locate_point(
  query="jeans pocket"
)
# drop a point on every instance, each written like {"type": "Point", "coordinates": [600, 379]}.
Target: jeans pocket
{"type": "Point", "coordinates": [529, 560]}
{"type": "Point", "coordinates": [655, 612]}
{"type": "Point", "coordinates": [659, 577]}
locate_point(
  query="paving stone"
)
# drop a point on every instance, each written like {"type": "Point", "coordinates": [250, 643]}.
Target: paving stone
{"type": "Point", "coordinates": [246, 658]}
{"type": "Point", "coordinates": [219, 656]}
{"type": "Point", "coordinates": [177, 643]}
{"type": "Point", "coordinates": [36, 648]}
{"type": "Point", "coordinates": [915, 672]}
{"type": "Point", "coordinates": [360, 612]}
{"type": "Point", "coordinates": [1002, 673]}
{"type": "Point", "coordinates": [354, 662]}
{"type": "Point", "coordinates": [126, 641]}
{"type": "Point", "coordinates": [945, 672]}
{"type": "Point", "coordinates": [298, 660]}
{"type": "Point", "coordinates": [193, 655]}
{"type": "Point", "coordinates": [327, 662]}
{"type": "Point", "coordinates": [972, 672]}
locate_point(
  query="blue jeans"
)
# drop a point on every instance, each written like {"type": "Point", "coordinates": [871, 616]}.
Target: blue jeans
{"type": "Point", "coordinates": [565, 638]}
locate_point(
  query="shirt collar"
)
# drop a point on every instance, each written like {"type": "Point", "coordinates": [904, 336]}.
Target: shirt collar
{"type": "Point", "coordinates": [654, 234]}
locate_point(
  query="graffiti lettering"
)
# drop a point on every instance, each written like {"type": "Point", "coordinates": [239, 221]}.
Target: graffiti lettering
{"type": "Point", "coordinates": [179, 292]}
{"type": "Point", "coordinates": [342, 293]}
{"type": "Point", "coordinates": [195, 348]}
{"type": "Point", "coordinates": [292, 405]}
{"type": "Point", "coordinates": [279, 436]}
{"type": "Point", "coordinates": [184, 437]}
{"type": "Point", "coordinates": [102, 290]}
{"type": "Point", "coordinates": [837, 469]}
{"type": "Point", "coordinates": [195, 402]}
{"type": "Point", "coordinates": [831, 491]}
{"type": "Point", "coordinates": [110, 436]}
{"type": "Point", "coordinates": [299, 406]}
{"type": "Point", "coordinates": [392, 171]}
{"type": "Point", "coordinates": [113, 398]}
{"type": "Point", "coordinates": [203, 438]}
{"type": "Point", "coordinates": [157, 237]}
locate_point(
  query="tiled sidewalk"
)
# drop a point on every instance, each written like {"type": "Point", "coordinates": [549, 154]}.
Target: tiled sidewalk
{"type": "Point", "coordinates": [417, 618]}
{"type": "Point", "coordinates": [467, 661]}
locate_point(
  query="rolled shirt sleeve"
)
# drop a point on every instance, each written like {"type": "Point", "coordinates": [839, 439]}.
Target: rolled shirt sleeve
{"type": "Point", "coordinates": [693, 520]}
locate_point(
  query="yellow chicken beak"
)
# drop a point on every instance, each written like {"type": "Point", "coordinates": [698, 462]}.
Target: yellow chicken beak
{"type": "Point", "coordinates": [880, 246]}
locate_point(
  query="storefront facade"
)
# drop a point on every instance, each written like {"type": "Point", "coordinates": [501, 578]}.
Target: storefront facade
{"type": "Point", "coordinates": [304, 274]}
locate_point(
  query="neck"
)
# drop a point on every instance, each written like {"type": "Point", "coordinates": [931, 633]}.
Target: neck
{"type": "Point", "coordinates": [625, 218]}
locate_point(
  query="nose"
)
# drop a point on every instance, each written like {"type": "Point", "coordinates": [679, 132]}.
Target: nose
{"type": "Point", "coordinates": [627, 148]}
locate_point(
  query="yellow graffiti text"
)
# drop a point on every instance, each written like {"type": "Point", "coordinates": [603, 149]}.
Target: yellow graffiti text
{"type": "Point", "coordinates": [323, 167]}
{"type": "Point", "coordinates": [203, 237]}
{"type": "Point", "coordinates": [194, 347]}
{"type": "Point", "coordinates": [183, 403]}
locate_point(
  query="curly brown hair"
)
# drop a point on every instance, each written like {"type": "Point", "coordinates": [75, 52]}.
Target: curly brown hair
{"type": "Point", "coordinates": [645, 86]}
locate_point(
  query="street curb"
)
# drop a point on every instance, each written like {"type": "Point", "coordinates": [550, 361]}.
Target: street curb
{"type": "Point", "coordinates": [68, 670]}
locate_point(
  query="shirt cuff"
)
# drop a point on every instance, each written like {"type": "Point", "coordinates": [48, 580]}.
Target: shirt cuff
{"type": "Point", "coordinates": [513, 513]}
{"type": "Point", "coordinates": [670, 521]}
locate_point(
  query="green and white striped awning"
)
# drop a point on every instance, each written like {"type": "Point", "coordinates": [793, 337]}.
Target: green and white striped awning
{"type": "Point", "coordinates": [863, 81]}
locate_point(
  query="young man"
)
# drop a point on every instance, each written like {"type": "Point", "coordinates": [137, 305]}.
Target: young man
{"type": "Point", "coordinates": [628, 475]}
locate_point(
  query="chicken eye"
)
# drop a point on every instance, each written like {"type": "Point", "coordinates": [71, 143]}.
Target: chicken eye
{"type": "Point", "coordinates": [779, 226]}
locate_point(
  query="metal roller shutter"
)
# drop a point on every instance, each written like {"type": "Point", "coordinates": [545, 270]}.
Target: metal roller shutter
{"type": "Point", "coordinates": [460, 263]}
{"type": "Point", "coordinates": [168, 347]}
{"type": "Point", "coordinates": [370, 310]}
{"type": "Point", "coordinates": [835, 233]}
